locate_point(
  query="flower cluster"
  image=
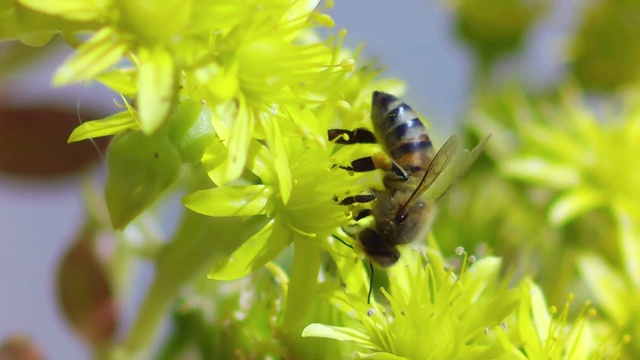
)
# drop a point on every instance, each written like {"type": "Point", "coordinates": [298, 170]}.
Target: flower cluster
{"type": "Point", "coordinates": [587, 162]}
{"type": "Point", "coordinates": [244, 92]}
{"type": "Point", "coordinates": [434, 313]}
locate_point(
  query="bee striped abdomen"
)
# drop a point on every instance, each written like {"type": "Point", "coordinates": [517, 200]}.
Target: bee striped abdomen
{"type": "Point", "coordinates": [401, 132]}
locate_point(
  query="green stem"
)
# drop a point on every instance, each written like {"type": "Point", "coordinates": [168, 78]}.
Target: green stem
{"type": "Point", "coordinates": [198, 243]}
{"type": "Point", "coordinates": [301, 295]}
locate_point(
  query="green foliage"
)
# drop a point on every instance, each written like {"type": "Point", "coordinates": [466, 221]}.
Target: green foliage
{"type": "Point", "coordinates": [244, 92]}
{"type": "Point", "coordinates": [140, 169]}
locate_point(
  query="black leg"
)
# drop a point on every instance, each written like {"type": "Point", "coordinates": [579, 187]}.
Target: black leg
{"type": "Point", "coordinates": [369, 164]}
{"type": "Point", "coordinates": [361, 165]}
{"type": "Point", "coordinates": [356, 136]}
{"type": "Point", "coordinates": [362, 214]}
{"type": "Point", "coordinates": [360, 199]}
{"type": "Point", "coordinates": [370, 283]}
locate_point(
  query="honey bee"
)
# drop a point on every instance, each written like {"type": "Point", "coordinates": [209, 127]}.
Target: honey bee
{"type": "Point", "coordinates": [413, 181]}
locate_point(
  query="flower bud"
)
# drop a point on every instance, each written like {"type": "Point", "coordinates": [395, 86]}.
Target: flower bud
{"type": "Point", "coordinates": [190, 129]}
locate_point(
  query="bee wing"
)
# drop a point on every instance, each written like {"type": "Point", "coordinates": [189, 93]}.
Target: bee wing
{"type": "Point", "coordinates": [456, 168]}
{"type": "Point", "coordinates": [449, 165]}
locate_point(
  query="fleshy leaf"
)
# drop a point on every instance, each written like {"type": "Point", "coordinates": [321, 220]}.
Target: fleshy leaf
{"type": "Point", "coordinates": [111, 125]}
{"type": "Point", "coordinates": [573, 204]}
{"type": "Point", "coordinates": [338, 333]}
{"type": "Point", "coordinates": [74, 10]}
{"type": "Point", "coordinates": [229, 201]}
{"type": "Point", "coordinates": [140, 169]}
{"type": "Point", "coordinates": [101, 51]}
{"type": "Point", "coordinates": [258, 250]}
{"type": "Point", "coordinates": [156, 87]}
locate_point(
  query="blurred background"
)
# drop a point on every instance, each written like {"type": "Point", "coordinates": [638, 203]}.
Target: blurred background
{"type": "Point", "coordinates": [42, 178]}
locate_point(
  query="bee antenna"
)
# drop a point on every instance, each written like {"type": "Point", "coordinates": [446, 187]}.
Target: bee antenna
{"type": "Point", "coordinates": [370, 283]}
{"type": "Point", "coordinates": [342, 241]}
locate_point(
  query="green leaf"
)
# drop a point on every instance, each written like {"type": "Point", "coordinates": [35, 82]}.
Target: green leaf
{"type": "Point", "coordinates": [101, 51]}
{"type": "Point", "coordinates": [338, 333]}
{"type": "Point", "coordinates": [279, 157]}
{"type": "Point", "coordinates": [111, 125]}
{"type": "Point", "coordinates": [156, 87]}
{"type": "Point", "coordinates": [140, 169]}
{"type": "Point", "coordinates": [258, 250]}
{"type": "Point", "coordinates": [74, 10]}
{"type": "Point", "coordinates": [573, 204]}
{"type": "Point", "coordinates": [230, 201]}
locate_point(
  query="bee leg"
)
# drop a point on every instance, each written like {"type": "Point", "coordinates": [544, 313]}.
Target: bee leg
{"type": "Point", "coordinates": [378, 161]}
{"type": "Point", "coordinates": [360, 199]}
{"type": "Point", "coordinates": [356, 136]}
{"type": "Point", "coordinates": [362, 214]}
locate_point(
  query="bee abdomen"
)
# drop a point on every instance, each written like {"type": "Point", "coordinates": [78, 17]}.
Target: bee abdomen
{"type": "Point", "coordinates": [412, 155]}
{"type": "Point", "coordinates": [401, 131]}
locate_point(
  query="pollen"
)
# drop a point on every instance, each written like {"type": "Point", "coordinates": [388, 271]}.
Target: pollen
{"type": "Point", "coordinates": [343, 106]}
{"type": "Point", "coordinates": [325, 20]}
{"type": "Point", "coordinates": [348, 64]}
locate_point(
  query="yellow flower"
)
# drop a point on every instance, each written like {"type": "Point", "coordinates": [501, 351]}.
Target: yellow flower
{"type": "Point", "coordinates": [432, 314]}
{"type": "Point", "coordinates": [311, 214]}
{"type": "Point", "coordinates": [544, 333]}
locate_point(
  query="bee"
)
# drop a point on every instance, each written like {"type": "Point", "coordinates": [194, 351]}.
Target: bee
{"type": "Point", "coordinates": [414, 178]}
